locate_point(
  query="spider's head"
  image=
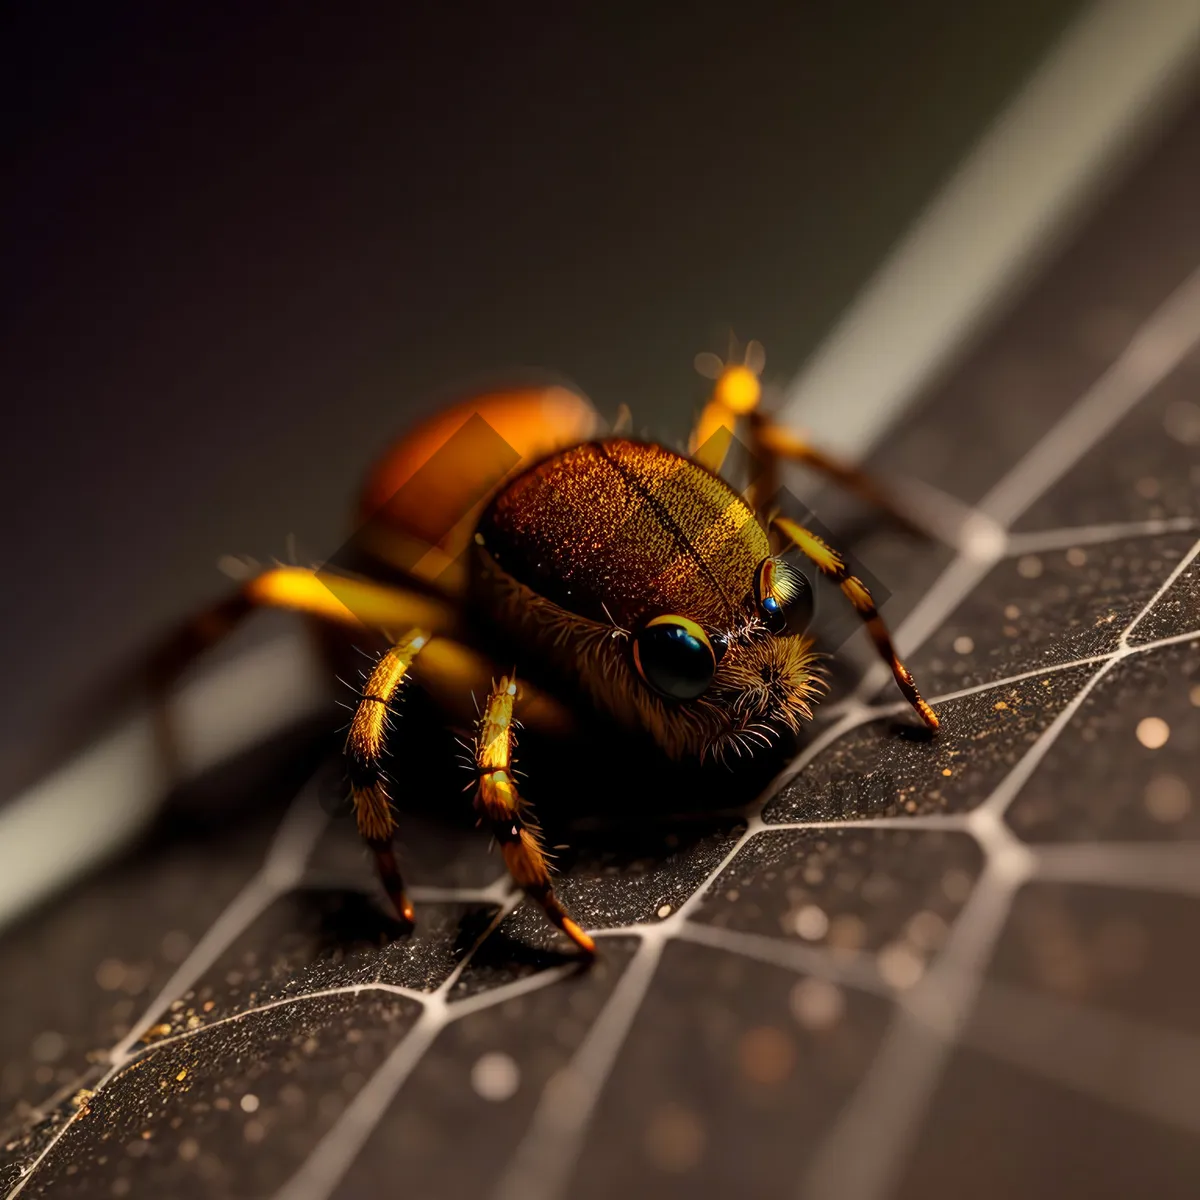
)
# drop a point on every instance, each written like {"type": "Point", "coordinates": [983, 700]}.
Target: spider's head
{"type": "Point", "coordinates": [703, 692]}
{"type": "Point", "coordinates": [648, 582]}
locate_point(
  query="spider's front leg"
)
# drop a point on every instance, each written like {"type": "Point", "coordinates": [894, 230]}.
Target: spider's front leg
{"type": "Point", "coordinates": [450, 672]}
{"type": "Point", "coordinates": [366, 745]}
{"type": "Point", "coordinates": [831, 564]}
{"type": "Point", "coordinates": [501, 804]}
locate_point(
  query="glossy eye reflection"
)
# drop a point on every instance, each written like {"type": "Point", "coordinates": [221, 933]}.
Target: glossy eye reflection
{"type": "Point", "coordinates": [784, 596]}
{"type": "Point", "coordinates": [674, 656]}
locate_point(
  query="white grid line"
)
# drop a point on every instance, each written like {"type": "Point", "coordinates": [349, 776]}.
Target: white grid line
{"type": "Point", "coordinates": [336, 1151]}
{"type": "Point", "coordinates": [1089, 1050]}
{"type": "Point", "coordinates": [1091, 535]}
{"type": "Point", "coordinates": [1148, 866]}
{"type": "Point", "coordinates": [282, 867]}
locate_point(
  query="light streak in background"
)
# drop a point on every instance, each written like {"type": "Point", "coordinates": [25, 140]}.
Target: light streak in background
{"type": "Point", "coordinates": [1113, 76]}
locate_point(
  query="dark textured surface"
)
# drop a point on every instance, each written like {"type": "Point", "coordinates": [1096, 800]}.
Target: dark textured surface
{"type": "Point", "coordinates": [996, 1132]}
{"type": "Point", "coordinates": [886, 768]}
{"type": "Point", "coordinates": [721, 1083]}
{"type": "Point", "coordinates": [1116, 951]}
{"type": "Point", "coordinates": [441, 1136]}
{"type": "Point", "coordinates": [1041, 610]}
{"type": "Point", "coordinates": [854, 891]}
{"type": "Point", "coordinates": [230, 1111]}
{"type": "Point", "coordinates": [991, 991]}
{"type": "Point", "coordinates": [1099, 782]}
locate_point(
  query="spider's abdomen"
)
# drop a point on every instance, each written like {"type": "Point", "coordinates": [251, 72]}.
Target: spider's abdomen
{"type": "Point", "coordinates": [617, 530]}
{"type": "Point", "coordinates": [422, 499]}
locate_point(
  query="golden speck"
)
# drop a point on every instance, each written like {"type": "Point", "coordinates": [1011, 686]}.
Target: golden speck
{"type": "Point", "coordinates": [926, 930]}
{"type": "Point", "coordinates": [811, 923]}
{"type": "Point", "coordinates": [900, 965]}
{"type": "Point", "coordinates": [81, 1097]}
{"type": "Point", "coordinates": [664, 912]}
{"type": "Point", "coordinates": [208, 1005]}
{"type": "Point", "coordinates": [956, 885]}
{"type": "Point", "coordinates": [495, 1076]}
{"type": "Point", "coordinates": [182, 1075]}
{"type": "Point", "coordinates": [1167, 799]}
{"type": "Point", "coordinates": [1182, 422]}
{"type": "Point", "coordinates": [1076, 557]}
{"type": "Point", "coordinates": [766, 1055]}
{"type": "Point", "coordinates": [1000, 706]}
{"type": "Point", "coordinates": [156, 1031]}
{"type": "Point", "coordinates": [193, 1022]}
{"type": "Point", "coordinates": [249, 1103]}
{"type": "Point", "coordinates": [947, 771]}
{"type": "Point", "coordinates": [1029, 566]}
{"type": "Point", "coordinates": [175, 946]}
{"type": "Point", "coordinates": [1153, 732]}
{"type": "Point", "coordinates": [48, 1047]}
{"type": "Point", "coordinates": [846, 933]}
{"type": "Point", "coordinates": [963, 645]}
{"type": "Point", "coordinates": [674, 1138]}
{"type": "Point", "coordinates": [110, 974]}
{"type": "Point", "coordinates": [817, 1003]}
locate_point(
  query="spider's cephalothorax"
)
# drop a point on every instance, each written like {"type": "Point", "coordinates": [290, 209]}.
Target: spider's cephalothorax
{"type": "Point", "coordinates": [632, 574]}
{"type": "Point", "coordinates": [639, 575]}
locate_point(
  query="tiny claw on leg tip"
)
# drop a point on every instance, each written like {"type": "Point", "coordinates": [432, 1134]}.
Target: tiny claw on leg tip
{"type": "Point", "coordinates": [581, 939]}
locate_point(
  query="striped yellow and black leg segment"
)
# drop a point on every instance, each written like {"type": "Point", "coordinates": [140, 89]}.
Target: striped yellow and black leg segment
{"type": "Point", "coordinates": [500, 803]}
{"type": "Point", "coordinates": [853, 588]}
{"type": "Point", "coordinates": [366, 748]}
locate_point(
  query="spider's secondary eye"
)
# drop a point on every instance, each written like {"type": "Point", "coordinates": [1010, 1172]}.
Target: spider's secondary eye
{"type": "Point", "coordinates": [784, 596]}
{"type": "Point", "coordinates": [674, 656]}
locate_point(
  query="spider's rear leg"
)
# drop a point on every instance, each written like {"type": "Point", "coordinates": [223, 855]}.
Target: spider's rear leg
{"type": "Point", "coordinates": [774, 443]}
{"type": "Point", "coordinates": [738, 394]}
{"type": "Point", "coordinates": [502, 805]}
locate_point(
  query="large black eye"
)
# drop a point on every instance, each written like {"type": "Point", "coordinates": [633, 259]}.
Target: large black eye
{"type": "Point", "coordinates": [784, 596]}
{"type": "Point", "coordinates": [674, 656]}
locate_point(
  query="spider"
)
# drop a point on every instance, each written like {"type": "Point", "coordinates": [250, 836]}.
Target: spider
{"type": "Point", "coordinates": [634, 577]}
